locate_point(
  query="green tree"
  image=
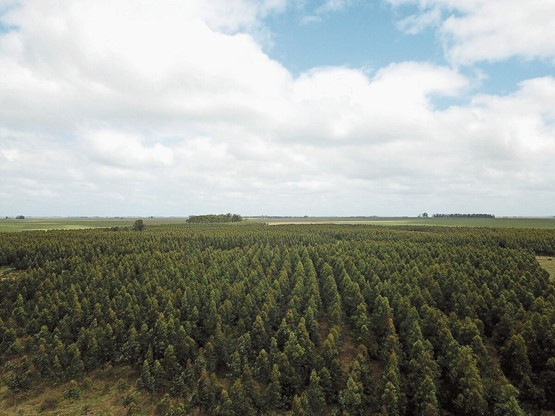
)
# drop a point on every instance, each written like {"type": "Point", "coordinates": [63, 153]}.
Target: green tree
{"type": "Point", "coordinates": [262, 366]}
{"type": "Point", "coordinates": [241, 402]}
{"type": "Point", "coordinates": [225, 405]}
{"type": "Point", "coordinates": [73, 391]}
{"type": "Point", "coordinates": [515, 359]}
{"type": "Point", "coordinates": [138, 225]}
{"type": "Point", "coordinates": [19, 379]}
{"type": "Point", "coordinates": [159, 375]}
{"type": "Point", "coordinates": [300, 406]}
{"type": "Point", "coordinates": [390, 400]}
{"type": "Point", "coordinates": [506, 402]}
{"type": "Point", "coordinates": [273, 395]}
{"type": "Point", "coordinates": [350, 397]}
{"type": "Point", "coordinates": [425, 399]}
{"type": "Point", "coordinates": [73, 365]}
{"type": "Point", "coordinates": [315, 394]}
{"type": "Point", "coordinates": [146, 380]}
{"type": "Point", "coordinates": [470, 397]}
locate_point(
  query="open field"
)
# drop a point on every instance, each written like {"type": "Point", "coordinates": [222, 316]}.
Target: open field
{"type": "Point", "coordinates": [520, 222]}
{"type": "Point", "coordinates": [9, 225]}
{"type": "Point", "coordinates": [108, 392]}
{"type": "Point", "coordinates": [548, 263]}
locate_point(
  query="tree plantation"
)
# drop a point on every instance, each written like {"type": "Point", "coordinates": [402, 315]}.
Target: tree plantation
{"type": "Point", "coordinates": [249, 319]}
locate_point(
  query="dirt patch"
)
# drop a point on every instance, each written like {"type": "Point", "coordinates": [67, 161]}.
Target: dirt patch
{"type": "Point", "coordinates": [102, 392]}
{"type": "Point", "coordinates": [7, 273]}
{"type": "Point", "coordinates": [348, 350]}
{"type": "Point", "coordinates": [548, 263]}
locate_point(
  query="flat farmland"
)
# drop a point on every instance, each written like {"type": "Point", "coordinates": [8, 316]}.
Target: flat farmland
{"type": "Point", "coordinates": [29, 224]}
{"type": "Point", "coordinates": [502, 222]}
{"type": "Point", "coordinates": [59, 223]}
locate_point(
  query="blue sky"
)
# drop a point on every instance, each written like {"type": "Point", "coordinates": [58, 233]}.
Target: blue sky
{"type": "Point", "coordinates": [361, 35]}
{"type": "Point", "coordinates": [366, 34]}
{"type": "Point", "coordinates": [276, 107]}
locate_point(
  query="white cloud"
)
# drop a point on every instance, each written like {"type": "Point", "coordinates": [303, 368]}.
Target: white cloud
{"type": "Point", "coordinates": [487, 30]}
{"type": "Point", "coordinates": [87, 59]}
{"type": "Point", "coordinates": [344, 104]}
{"type": "Point", "coordinates": [333, 6]}
{"type": "Point", "coordinates": [326, 8]}
{"type": "Point", "coordinates": [126, 150]}
{"type": "Point", "coordinates": [166, 108]}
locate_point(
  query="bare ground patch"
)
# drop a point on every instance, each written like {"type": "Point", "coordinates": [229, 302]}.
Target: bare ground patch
{"type": "Point", "coordinates": [548, 263]}
{"type": "Point", "coordinates": [7, 272]}
{"type": "Point", "coordinates": [103, 392]}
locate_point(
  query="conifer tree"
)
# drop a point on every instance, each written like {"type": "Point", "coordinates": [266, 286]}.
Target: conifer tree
{"type": "Point", "coordinates": [19, 379]}
{"type": "Point", "coordinates": [315, 394]}
{"type": "Point", "coordinates": [390, 401]}
{"type": "Point", "coordinates": [350, 397]}
{"type": "Point", "coordinates": [273, 395]}
{"type": "Point", "coordinates": [224, 406]}
{"type": "Point", "coordinates": [241, 402]}
{"type": "Point", "coordinates": [56, 371]}
{"type": "Point", "coordinates": [262, 366]}
{"type": "Point", "coordinates": [300, 406]}
{"type": "Point", "coordinates": [259, 335]}
{"type": "Point", "coordinates": [159, 375]}
{"type": "Point", "coordinates": [425, 398]}
{"type": "Point", "coordinates": [515, 358]}
{"type": "Point", "coordinates": [470, 397]}
{"type": "Point", "coordinates": [146, 380]}
{"type": "Point", "coordinates": [73, 365]}
{"type": "Point", "coordinates": [506, 402]}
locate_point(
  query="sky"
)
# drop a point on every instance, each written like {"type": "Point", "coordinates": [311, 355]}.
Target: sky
{"type": "Point", "coordinates": [277, 107]}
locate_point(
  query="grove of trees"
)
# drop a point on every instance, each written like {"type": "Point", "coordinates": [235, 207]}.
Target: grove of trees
{"type": "Point", "coordinates": [248, 319]}
{"type": "Point", "coordinates": [463, 216]}
{"type": "Point", "coordinates": [215, 218]}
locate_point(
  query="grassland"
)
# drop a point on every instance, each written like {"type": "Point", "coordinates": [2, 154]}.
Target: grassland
{"type": "Point", "coordinates": [107, 392]}
{"type": "Point", "coordinates": [9, 225]}
{"type": "Point", "coordinates": [548, 263]}
{"type": "Point", "coordinates": [509, 222]}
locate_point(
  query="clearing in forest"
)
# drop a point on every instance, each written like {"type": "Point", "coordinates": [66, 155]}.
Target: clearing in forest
{"type": "Point", "coordinates": [548, 263]}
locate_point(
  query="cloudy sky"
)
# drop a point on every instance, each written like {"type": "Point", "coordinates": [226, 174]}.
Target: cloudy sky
{"type": "Point", "coordinates": [277, 107]}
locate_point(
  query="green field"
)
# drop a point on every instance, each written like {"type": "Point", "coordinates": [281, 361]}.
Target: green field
{"type": "Point", "coordinates": [520, 222]}
{"type": "Point", "coordinates": [548, 263]}
{"type": "Point", "coordinates": [9, 225]}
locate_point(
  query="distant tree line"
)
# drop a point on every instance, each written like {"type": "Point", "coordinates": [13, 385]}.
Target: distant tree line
{"type": "Point", "coordinates": [464, 216]}
{"type": "Point", "coordinates": [215, 218]}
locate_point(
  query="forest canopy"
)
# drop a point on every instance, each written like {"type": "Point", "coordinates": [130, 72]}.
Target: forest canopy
{"type": "Point", "coordinates": [305, 319]}
{"type": "Point", "coordinates": [463, 216]}
{"type": "Point", "coordinates": [215, 218]}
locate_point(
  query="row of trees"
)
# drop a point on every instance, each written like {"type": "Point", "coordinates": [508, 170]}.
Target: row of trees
{"type": "Point", "coordinates": [217, 218]}
{"type": "Point", "coordinates": [307, 319]}
{"type": "Point", "coordinates": [463, 216]}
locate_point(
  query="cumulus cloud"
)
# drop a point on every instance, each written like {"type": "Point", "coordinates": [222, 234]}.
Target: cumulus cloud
{"type": "Point", "coordinates": [122, 149]}
{"type": "Point", "coordinates": [487, 30]}
{"type": "Point", "coordinates": [323, 10]}
{"type": "Point", "coordinates": [174, 108]}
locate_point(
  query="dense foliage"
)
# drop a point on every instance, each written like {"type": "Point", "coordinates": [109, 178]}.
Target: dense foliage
{"type": "Point", "coordinates": [464, 216]}
{"type": "Point", "coordinates": [308, 319]}
{"type": "Point", "coordinates": [215, 218]}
